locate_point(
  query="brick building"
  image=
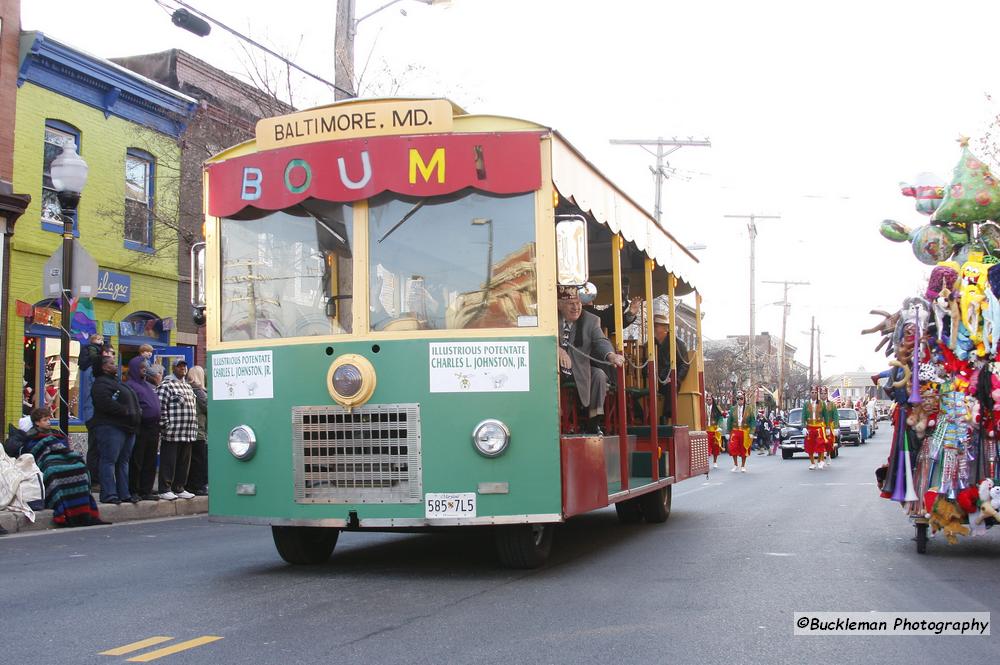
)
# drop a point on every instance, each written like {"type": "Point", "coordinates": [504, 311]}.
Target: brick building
{"type": "Point", "coordinates": [227, 113]}
{"type": "Point", "coordinates": [12, 204]}
{"type": "Point", "coordinates": [127, 128]}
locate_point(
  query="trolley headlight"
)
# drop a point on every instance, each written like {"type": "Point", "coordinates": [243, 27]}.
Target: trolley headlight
{"type": "Point", "coordinates": [347, 380]}
{"type": "Point", "coordinates": [351, 380]}
{"type": "Point", "coordinates": [491, 437]}
{"type": "Point", "coordinates": [242, 442]}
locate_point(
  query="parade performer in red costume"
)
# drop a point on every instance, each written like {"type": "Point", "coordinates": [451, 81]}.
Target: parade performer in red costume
{"type": "Point", "coordinates": [716, 422]}
{"type": "Point", "coordinates": [741, 425]}
{"type": "Point", "coordinates": [818, 434]}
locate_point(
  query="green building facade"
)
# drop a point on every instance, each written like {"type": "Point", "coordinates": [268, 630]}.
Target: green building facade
{"type": "Point", "coordinates": [127, 129]}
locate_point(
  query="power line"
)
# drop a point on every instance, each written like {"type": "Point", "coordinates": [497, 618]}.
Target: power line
{"type": "Point", "coordinates": [240, 35]}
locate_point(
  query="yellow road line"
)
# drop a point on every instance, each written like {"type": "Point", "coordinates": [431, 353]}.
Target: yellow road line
{"type": "Point", "coordinates": [166, 651]}
{"type": "Point", "coordinates": [135, 646]}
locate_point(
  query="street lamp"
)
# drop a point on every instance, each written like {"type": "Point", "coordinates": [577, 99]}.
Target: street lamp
{"type": "Point", "coordinates": [69, 175]}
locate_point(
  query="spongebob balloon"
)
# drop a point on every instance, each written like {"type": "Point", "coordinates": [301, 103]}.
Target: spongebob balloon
{"type": "Point", "coordinates": [972, 298]}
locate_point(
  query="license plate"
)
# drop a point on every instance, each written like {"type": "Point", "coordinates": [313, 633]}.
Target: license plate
{"type": "Point", "coordinates": [441, 504]}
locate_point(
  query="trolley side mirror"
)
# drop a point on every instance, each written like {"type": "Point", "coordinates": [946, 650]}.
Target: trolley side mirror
{"type": "Point", "coordinates": [571, 250]}
{"type": "Point", "coordinates": [198, 282]}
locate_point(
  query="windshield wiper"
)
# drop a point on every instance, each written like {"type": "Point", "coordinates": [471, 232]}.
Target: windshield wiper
{"type": "Point", "coordinates": [417, 206]}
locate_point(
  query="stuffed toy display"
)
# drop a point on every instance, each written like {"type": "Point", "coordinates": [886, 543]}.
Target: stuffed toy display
{"type": "Point", "coordinates": [944, 369]}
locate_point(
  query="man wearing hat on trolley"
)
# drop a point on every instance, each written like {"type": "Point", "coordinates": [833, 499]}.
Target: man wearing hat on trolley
{"type": "Point", "coordinates": [661, 334]}
{"type": "Point", "coordinates": [582, 342]}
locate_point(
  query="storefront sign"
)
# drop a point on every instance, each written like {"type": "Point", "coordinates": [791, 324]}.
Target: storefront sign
{"type": "Point", "coordinates": [479, 367]}
{"type": "Point", "coordinates": [113, 286]}
{"type": "Point", "coordinates": [352, 121]}
{"type": "Point", "coordinates": [247, 375]}
{"type": "Point", "coordinates": [358, 169]}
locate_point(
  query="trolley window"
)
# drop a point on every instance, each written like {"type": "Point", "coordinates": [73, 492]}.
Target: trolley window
{"type": "Point", "coordinates": [452, 262]}
{"type": "Point", "coordinates": [288, 273]}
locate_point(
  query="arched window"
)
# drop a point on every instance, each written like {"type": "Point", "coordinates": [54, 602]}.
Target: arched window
{"type": "Point", "coordinates": [58, 134]}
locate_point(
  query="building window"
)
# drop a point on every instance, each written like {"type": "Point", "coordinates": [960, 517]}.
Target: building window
{"type": "Point", "coordinates": [57, 136]}
{"type": "Point", "coordinates": [139, 200]}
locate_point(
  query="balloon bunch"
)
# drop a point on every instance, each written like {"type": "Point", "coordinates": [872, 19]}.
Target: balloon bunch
{"type": "Point", "coordinates": [944, 355]}
{"type": "Point", "coordinates": [961, 215]}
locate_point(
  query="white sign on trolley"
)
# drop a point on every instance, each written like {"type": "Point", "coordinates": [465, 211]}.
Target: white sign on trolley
{"type": "Point", "coordinates": [248, 375]}
{"type": "Point", "coordinates": [479, 367]}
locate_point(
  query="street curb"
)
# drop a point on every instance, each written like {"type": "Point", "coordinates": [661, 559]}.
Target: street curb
{"type": "Point", "coordinates": [126, 512]}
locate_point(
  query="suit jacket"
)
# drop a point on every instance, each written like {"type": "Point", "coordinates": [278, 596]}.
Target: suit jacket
{"type": "Point", "coordinates": [587, 340]}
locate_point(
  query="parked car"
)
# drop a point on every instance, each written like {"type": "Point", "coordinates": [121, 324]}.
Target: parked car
{"type": "Point", "coordinates": [850, 427]}
{"type": "Point", "coordinates": [793, 435]}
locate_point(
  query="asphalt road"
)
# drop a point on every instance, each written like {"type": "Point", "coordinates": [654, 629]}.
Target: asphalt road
{"type": "Point", "coordinates": [719, 582]}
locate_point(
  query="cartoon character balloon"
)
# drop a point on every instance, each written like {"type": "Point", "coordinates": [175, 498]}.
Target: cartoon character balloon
{"type": "Point", "coordinates": [932, 244]}
{"type": "Point", "coordinates": [927, 189]}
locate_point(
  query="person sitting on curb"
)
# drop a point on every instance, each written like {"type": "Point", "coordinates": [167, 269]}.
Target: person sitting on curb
{"type": "Point", "coordinates": [64, 474]}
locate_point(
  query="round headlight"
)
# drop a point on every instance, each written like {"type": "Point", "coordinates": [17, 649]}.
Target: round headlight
{"type": "Point", "coordinates": [347, 380]}
{"type": "Point", "coordinates": [491, 437]}
{"type": "Point", "coordinates": [242, 442]}
{"type": "Point", "coordinates": [351, 380]}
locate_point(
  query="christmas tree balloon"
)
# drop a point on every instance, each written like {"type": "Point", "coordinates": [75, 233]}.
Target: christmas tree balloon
{"type": "Point", "coordinates": [974, 194]}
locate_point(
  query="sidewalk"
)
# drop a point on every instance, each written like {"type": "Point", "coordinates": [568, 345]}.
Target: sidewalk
{"type": "Point", "coordinates": [126, 512]}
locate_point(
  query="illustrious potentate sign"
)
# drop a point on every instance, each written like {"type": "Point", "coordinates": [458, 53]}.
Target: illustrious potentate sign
{"type": "Point", "coordinates": [479, 367]}
{"type": "Point", "coordinates": [248, 375]}
{"type": "Point", "coordinates": [352, 121]}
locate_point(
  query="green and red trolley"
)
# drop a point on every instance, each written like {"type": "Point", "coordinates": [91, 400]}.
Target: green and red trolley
{"type": "Point", "coordinates": [378, 281]}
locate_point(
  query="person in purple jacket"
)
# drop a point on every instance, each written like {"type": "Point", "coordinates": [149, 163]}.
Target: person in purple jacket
{"type": "Point", "coordinates": [142, 378]}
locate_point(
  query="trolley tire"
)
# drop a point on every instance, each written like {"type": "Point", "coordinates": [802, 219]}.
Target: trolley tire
{"type": "Point", "coordinates": [305, 545]}
{"type": "Point", "coordinates": [523, 545]}
{"type": "Point", "coordinates": [787, 454]}
{"type": "Point", "coordinates": [921, 538]}
{"type": "Point", "coordinates": [629, 511]}
{"type": "Point", "coordinates": [656, 505]}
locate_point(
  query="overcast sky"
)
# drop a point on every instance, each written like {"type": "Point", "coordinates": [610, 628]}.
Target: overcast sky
{"type": "Point", "coordinates": [816, 112]}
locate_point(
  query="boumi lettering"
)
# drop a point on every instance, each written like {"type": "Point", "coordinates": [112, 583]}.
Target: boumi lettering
{"type": "Point", "coordinates": [356, 169]}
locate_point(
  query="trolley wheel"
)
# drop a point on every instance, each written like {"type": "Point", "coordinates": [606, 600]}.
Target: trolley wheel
{"type": "Point", "coordinates": [629, 511]}
{"type": "Point", "coordinates": [523, 545]}
{"type": "Point", "coordinates": [304, 545]}
{"type": "Point", "coordinates": [656, 505]}
{"type": "Point", "coordinates": [787, 454]}
{"type": "Point", "coordinates": [921, 537]}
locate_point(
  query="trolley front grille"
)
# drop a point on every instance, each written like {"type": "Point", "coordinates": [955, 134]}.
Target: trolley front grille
{"type": "Point", "coordinates": [368, 455]}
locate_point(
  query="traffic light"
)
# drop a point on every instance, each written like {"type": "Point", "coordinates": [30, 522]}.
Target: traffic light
{"type": "Point", "coordinates": [182, 18]}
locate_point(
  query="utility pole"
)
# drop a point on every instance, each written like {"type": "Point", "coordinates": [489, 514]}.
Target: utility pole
{"type": "Point", "coordinates": [784, 329]}
{"type": "Point", "coordinates": [343, 51]}
{"type": "Point", "coordinates": [659, 171]}
{"type": "Point", "coordinates": [752, 228]}
{"type": "Point", "coordinates": [819, 357]}
{"type": "Point", "coordinates": [343, 43]}
{"type": "Point", "coordinates": [812, 345]}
